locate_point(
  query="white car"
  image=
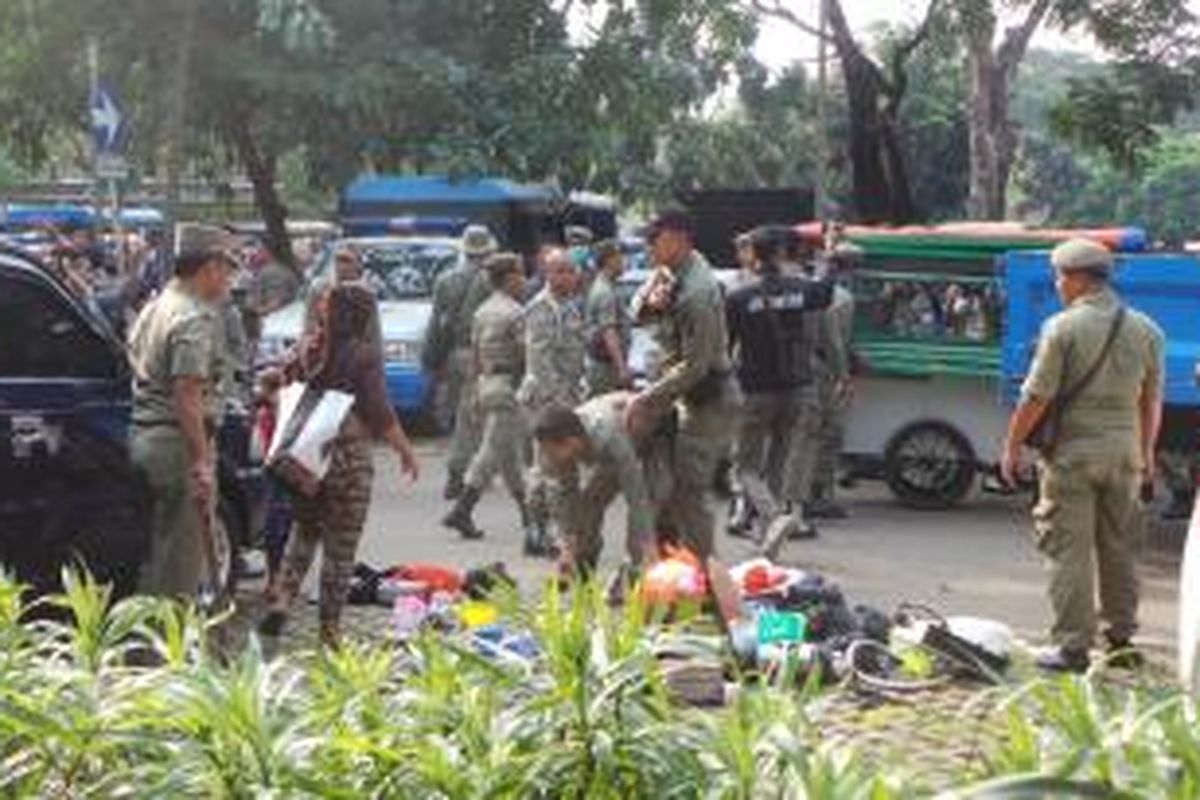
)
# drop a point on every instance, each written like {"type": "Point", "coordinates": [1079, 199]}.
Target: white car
{"type": "Point", "coordinates": [401, 271]}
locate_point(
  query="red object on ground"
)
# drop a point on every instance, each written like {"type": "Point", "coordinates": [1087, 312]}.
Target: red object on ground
{"type": "Point", "coordinates": [436, 578]}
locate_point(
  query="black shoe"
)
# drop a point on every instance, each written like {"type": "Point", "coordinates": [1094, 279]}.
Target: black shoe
{"type": "Point", "coordinates": [741, 518]}
{"type": "Point", "coordinates": [826, 509]}
{"type": "Point", "coordinates": [454, 486]}
{"type": "Point", "coordinates": [1123, 655]}
{"type": "Point", "coordinates": [803, 531]}
{"type": "Point", "coordinates": [1058, 659]}
{"type": "Point", "coordinates": [460, 519]}
{"type": "Point", "coordinates": [272, 624]}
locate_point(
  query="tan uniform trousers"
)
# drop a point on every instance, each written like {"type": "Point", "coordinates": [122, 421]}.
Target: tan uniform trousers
{"type": "Point", "coordinates": [502, 446]}
{"type": "Point", "coordinates": [702, 437]}
{"type": "Point", "coordinates": [176, 564]}
{"type": "Point", "coordinates": [1087, 524]}
{"type": "Point", "coordinates": [465, 439]}
{"type": "Point", "coordinates": [830, 433]}
{"type": "Point", "coordinates": [580, 512]}
{"type": "Point", "coordinates": [777, 448]}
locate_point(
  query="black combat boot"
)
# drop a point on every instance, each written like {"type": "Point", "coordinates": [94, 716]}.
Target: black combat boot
{"type": "Point", "coordinates": [1063, 659]}
{"type": "Point", "coordinates": [460, 518]}
{"type": "Point", "coordinates": [534, 529]}
{"type": "Point", "coordinates": [1121, 654]}
{"type": "Point", "coordinates": [454, 485]}
{"type": "Point", "coordinates": [742, 515]}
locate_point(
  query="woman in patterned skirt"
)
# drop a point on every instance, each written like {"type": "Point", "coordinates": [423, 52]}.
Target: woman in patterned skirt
{"type": "Point", "coordinates": [343, 353]}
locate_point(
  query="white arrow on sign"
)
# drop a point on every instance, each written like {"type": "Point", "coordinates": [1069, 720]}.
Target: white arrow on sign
{"type": "Point", "coordinates": [106, 119]}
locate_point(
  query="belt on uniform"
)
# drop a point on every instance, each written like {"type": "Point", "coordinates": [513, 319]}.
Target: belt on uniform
{"type": "Point", "coordinates": [492, 372]}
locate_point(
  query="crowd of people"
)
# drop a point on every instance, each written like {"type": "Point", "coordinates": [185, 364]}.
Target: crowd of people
{"type": "Point", "coordinates": [539, 368]}
{"type": "Point", "coordinates": [546, 395]}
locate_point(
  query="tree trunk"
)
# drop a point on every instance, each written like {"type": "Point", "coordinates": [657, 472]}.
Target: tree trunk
{"type": "Point", "coordinates": [992, 142]}
{"type": "Point", "coordinates": [260, 166]}
{"type": "Point", "coordinates": [993, 137]}
{"type": "Point", "coordinates": [879, 176]}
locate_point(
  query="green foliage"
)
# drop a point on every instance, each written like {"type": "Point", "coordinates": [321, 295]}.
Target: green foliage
{"type": "Point", "coordinates": [590, 719]}
{"type": "Point", "coordinates": [766, 139]}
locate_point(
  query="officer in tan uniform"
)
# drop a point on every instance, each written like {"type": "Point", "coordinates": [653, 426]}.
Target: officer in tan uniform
{"type": "Point", "coordinates": [554, 367]}
{"type": "Point", "coordinates": [593, 437]}
{"type": "Point", "coordinates": [684, 299]}
{"type": "Point", "coordinates": [457, 295]}
{"type": "Point", "coordinates": [1099, 454]}
{"type": "Point", "coordinates": [175, 349]}
{"type": "Point", "coordinates": [608, 331]}
{"type": "Point", "coordinates": [833, 379]}
{"type": "Point", "coordinates": [498, 355]}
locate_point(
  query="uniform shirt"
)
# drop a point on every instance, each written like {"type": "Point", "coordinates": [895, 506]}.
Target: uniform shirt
{"type": "Point", "coordinates": [554, 351]}
{"type": "Point", "coordinates": [457, 295]}
{"type": "Point", "coordinates": [773, 323]}
{"type": "Point", "coordinates": [498, 337]}
{"type": "Point", "coordinates": [835, 336]}
{"type": "Point", "coordinates": [1104, 418]}
{"type": "Point", "coordinates": [605, 311]}
{"type": "Point", "coordinates": [611, 448]}
{"type": "Point", "coordinates": [692, 333]}
{"type": "Point", "coordinates": [176, 335]}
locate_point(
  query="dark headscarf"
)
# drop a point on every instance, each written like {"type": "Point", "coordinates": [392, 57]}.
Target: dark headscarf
{"type": "Point", "coordinates": [345, 353]}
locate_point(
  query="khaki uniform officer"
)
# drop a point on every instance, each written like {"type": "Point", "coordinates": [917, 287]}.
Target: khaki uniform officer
{"type": "Point", "coordinates": [1088, 509]}
{"type": "Point", "coordinates": [593, 437]}
{"type": "Point", "coordinates": [833, 388]}
{"type": "Point", "coordinates": [684, 299]}
{"type": "Point", "coordinates": [554, 367]}
{"type": "Point", "coordinates": [608, 328]}
{"type": "Point", "coordinates": [457, 295]}
{"type": "Point", "coordinates": [498, 354]}
{"type": "Point", "coordinates": [175, 348]}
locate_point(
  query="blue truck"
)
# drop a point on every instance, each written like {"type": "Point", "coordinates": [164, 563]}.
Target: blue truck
{"type": "Point", "coordinates": [946, 328]}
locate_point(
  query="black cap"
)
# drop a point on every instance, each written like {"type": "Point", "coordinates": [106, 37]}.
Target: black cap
{"type": "Point", "coordinates": [672, 218]}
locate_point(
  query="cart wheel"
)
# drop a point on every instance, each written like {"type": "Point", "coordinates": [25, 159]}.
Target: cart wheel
{"type": "Point", "coordinates": [929, 466]}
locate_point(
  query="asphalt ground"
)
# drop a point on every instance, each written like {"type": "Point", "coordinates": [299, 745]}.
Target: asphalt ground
{"type": "Point", "coordinates": [976, 560]}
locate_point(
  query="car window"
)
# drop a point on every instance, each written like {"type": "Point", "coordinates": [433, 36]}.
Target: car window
{"type": "Point", "coordinates": [41, 336]}
{"type": "Point", "coordinates": [401, 270]}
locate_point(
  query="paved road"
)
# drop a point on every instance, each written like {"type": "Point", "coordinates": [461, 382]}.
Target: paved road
{"type": "Point", "coordinates": [974, 560]}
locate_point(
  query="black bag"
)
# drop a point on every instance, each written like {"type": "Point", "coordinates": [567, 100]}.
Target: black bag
{"type": "Point", "coordinates": [1044, 436]}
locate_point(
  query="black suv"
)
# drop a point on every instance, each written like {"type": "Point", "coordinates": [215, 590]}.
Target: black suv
{"type": "Point", "coordinates": [67, 489]}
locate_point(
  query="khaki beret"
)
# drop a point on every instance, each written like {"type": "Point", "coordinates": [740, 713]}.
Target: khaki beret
{"type": "Point", "coordinates": [500, 264]}
{"type": "Point", "coordinates": [477, 240]}
{"type": "Point", "coordinates": [199, 240]}
{"type": "Point", "coordinates": [1079, 254]}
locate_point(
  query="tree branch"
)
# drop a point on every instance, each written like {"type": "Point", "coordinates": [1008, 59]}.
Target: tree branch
{"type": "Point", "coordinates": [777, 10]}
{"type": "Point", "coordinates": [897, 78]}
{"type": "Point", "coordinates": [1016, 38]}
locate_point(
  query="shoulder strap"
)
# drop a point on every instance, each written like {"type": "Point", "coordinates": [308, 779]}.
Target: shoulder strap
{"type": "Point", "coordinates": [1073, 392]}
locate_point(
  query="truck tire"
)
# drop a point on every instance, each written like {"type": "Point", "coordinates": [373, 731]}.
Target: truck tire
{"type": "Point", "coordinates": [930, 466]}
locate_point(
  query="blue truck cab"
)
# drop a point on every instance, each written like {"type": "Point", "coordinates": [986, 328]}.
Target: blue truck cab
{"type": "Point", "coordinates": [1164, 286]}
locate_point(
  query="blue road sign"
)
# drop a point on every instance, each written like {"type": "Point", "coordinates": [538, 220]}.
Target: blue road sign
{"type": "Point", "coordinates": [108, 123]}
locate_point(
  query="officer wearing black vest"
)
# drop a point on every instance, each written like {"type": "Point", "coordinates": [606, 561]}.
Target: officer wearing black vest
{"type": "Point", "coordinates": [771, 324]}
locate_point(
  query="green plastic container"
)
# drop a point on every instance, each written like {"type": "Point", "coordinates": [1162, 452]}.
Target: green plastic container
{"type": "Point", "coordinates": [781, 626]}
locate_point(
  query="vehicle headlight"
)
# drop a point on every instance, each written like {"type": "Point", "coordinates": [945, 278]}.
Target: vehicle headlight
{"type": "Point", "coordinates": [403, 351]}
